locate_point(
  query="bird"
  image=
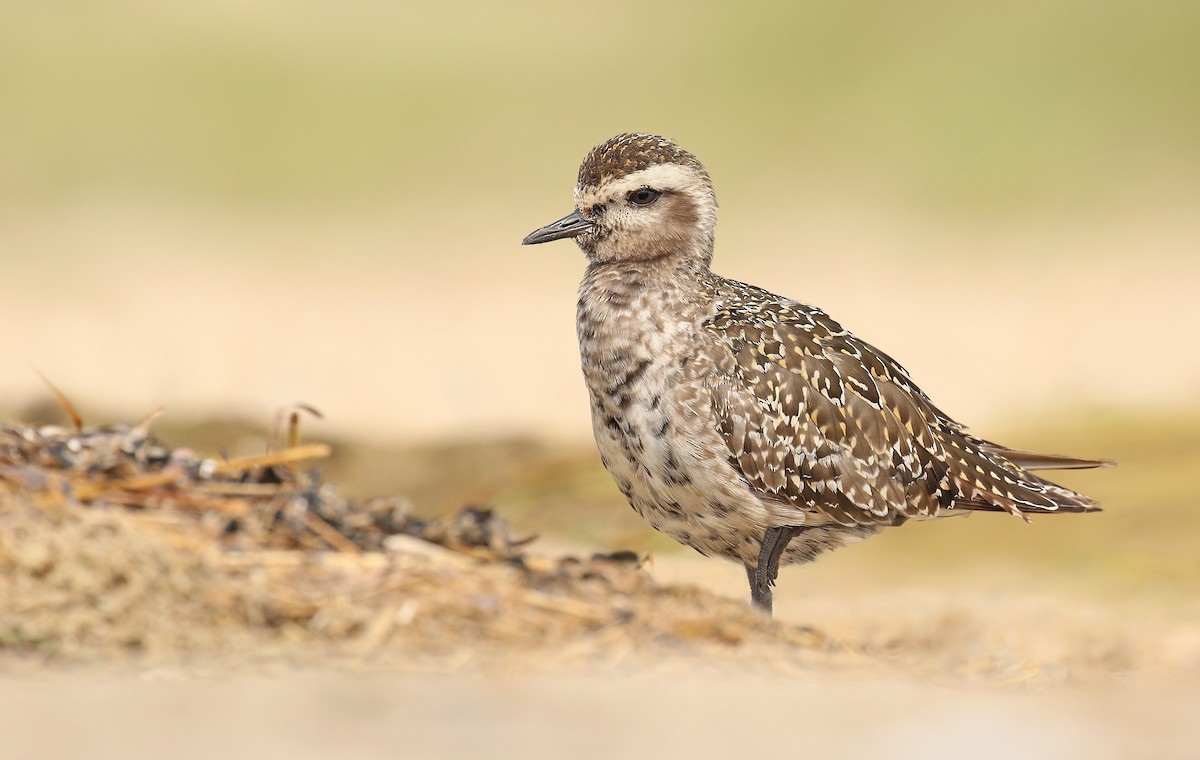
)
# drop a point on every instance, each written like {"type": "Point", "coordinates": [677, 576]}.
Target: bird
{"type": "Point", "coordinates": [747, 425]}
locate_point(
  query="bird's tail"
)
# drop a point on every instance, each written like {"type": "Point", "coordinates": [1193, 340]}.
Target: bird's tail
{"type": "Point", "coordinates": [995, 478]}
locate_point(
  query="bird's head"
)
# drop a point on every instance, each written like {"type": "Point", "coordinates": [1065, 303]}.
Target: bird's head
{"type": "Point", "coordinates": [639, 198]}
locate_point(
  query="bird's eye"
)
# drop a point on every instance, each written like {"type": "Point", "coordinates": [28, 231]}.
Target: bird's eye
{"type": "Point", "coordinates": [644, 196]}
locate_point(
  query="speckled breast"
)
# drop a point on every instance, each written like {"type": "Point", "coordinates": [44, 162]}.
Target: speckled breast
{"type": "Point", "coordinates": [652, 419]}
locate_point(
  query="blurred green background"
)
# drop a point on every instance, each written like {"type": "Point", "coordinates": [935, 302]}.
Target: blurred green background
{"type": "Point", "coordinates": [230, 206]}
{"type": "Point", "coordinates": [272, 103]}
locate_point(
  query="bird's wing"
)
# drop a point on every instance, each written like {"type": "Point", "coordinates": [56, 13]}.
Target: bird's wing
{"type": "Point", "coordinates": [822, 420]}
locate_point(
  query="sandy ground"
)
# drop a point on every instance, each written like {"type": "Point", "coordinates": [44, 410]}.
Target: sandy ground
{"type": "Point", "coordinates": [584, 715]}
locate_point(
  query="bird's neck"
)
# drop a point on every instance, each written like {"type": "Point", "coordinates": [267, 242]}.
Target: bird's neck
{"type": "Point", "coordinates": [665, 278]}
{"type": "Point", "coordinates": [629, 311]}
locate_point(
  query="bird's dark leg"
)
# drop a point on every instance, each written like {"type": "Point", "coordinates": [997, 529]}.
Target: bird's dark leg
{"type": "Point", "coordinates": [762, 577]}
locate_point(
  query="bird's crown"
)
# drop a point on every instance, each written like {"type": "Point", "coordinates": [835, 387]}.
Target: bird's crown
{"type": "Point", "coordinates": [630, 152]}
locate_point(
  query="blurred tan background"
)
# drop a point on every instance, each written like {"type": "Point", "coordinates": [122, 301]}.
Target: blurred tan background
{"type": "Point", "coordinates": [226, 207]}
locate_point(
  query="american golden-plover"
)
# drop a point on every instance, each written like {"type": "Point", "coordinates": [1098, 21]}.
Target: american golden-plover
{"type": "Point", "coordinates": [744, 424]}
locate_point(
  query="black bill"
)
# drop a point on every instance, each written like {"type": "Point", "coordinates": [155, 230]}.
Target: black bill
{"type": "Point", "coordinates": [571, 225]}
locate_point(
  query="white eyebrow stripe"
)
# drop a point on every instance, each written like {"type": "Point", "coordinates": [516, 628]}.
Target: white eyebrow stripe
{"type": "Point", "coordinates": [659, 177]}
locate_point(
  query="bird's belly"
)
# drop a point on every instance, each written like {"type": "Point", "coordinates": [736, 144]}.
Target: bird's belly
{"type": "Point", "coordinates": [675, 474]}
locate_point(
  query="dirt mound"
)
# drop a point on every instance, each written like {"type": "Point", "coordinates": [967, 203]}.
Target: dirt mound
{"type": "Point", "coordinates": [114, 545]}
{"type": "Point", "coordinates": [87, 583]}
{"type": "Point", "coordinates": [94, 584]}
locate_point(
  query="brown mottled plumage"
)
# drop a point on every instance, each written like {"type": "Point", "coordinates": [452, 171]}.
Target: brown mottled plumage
{"type": "Point", "coordinates": [742, 423]}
